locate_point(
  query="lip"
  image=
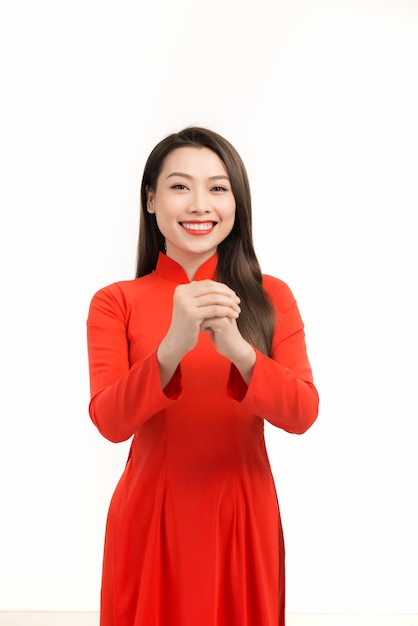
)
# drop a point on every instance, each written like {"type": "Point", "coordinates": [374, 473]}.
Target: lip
{"type": "Point", "coordinates": [196, 231]}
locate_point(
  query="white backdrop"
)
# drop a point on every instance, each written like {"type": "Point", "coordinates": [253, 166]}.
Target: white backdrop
{"type": "Point", "coordinates": [320, 98]}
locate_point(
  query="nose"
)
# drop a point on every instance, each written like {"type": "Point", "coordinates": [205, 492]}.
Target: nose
{"type": "Point", "coordinates": [200, 201]}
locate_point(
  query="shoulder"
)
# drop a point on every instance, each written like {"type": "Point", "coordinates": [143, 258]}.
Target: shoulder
{"type": "Point", "coordinates": [119, 296]}
{"type": "Point", "coordinates": [288, 318]}
{"type": "Point", "coordinates": [279, 292]}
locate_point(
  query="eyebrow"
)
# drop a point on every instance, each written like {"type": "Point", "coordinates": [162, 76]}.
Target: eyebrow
{"type": "Point", "coordinates": [184, 175]}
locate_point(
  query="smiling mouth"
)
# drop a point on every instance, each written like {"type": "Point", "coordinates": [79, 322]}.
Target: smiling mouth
{"type": "Point", "coordinates": [198, 227]}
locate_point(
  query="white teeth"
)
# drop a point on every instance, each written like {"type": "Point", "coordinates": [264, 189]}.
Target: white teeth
{"type": "Point", "coordinates": [204, 226]}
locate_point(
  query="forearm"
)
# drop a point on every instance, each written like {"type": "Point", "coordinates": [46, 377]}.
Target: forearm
{"type": "Point", "coordinates": [169, 358]}
{"type": "Point", "coordinates": [244, 361]}
{"type": "Point", "coordinates": [276, 394]}
{"type": "Point", "coordinates": [120, 408]}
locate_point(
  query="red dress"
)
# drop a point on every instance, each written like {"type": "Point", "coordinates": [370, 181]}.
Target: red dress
{"type": "Point", "coordinates": [193, 535]}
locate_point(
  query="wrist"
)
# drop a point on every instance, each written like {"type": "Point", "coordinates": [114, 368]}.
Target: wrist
{"type": "Point", "coordinates": [168, 354]}
{"type": "Point", "coordinates": [244, 361]}
{"type": "Point", "coordinates": [168, 359]}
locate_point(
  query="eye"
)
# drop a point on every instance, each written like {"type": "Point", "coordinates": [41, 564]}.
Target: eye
{"type": "Point", "coordinates": [219, 188]}
{"type": "Point", "coordinates": [179, 186]}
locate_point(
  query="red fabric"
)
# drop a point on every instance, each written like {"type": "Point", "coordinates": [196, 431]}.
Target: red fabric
{"type": "Point", "coordinates": [194, 534]}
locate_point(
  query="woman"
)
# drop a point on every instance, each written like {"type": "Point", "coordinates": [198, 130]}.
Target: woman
{"type": "Point", "coordinates": [190, 358]}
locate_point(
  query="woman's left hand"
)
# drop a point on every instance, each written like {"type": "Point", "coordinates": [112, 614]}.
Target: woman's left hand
{"type": "Point", "coordinates": [229, 342]}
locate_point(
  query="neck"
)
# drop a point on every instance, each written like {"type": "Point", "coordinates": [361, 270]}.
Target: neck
{"type": "Point", "coordinates": [190, 263]}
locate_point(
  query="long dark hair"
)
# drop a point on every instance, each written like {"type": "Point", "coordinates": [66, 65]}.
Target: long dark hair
{"type": "Point", "coordinates": [238, 266]}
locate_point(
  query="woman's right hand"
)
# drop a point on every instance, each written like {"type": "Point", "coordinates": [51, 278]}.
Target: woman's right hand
{"type": "Point", "coordinates": [192, 304]}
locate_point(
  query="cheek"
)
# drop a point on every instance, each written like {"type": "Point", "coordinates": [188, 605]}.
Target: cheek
{"type": "Point", "coordinates": [167, 215]}
{"type": "Point", "coordinates": [229, 220]}
{"type": "Point", "coordinates": [231, 212]}
{"type": "Point", "coordinates": [162, 209]}
{"type": "Point", "coordinates": [170, 206]}
{"type": "Point", "coordinates": [227, 208]}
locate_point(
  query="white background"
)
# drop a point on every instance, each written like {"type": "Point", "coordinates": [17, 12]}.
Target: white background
{"type": "Point", "coordinates": [320, 98]}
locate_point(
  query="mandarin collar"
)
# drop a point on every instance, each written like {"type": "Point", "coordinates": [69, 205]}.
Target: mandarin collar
{"type": "Point", "coordinates": [171, 270]}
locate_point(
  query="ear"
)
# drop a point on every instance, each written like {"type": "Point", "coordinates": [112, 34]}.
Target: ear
{"type": "Point", "coordinates": [150, 200]}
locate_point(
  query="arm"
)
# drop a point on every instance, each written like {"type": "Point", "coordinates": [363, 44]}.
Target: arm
{"type": "Point", "coordinates": [122, 397]}
{"type": "Point", "coordinates": [125, 396]}
{"type": "Point", "coordinates": [281, 388]}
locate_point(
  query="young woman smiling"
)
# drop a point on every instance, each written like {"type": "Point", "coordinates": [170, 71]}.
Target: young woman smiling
{"type": "Point", "coordinates": [190, 358]}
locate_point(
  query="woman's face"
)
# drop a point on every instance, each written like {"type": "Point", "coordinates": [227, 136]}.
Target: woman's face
{"type": "Point", "coordinates": [193, 204]}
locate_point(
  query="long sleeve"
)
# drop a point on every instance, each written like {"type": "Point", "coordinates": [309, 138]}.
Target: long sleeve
{"type": "Point", "coordinates": [123, 396]}
{"type": "Point", "coordinates": [281, 388]}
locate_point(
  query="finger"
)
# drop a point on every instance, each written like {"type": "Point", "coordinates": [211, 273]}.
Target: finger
{"type": "Point", "coordinates": [202, 287]}
{"type": "Point", "coordinates": [215, 325]}
{"type": "Point", "coordinates": [217, 299]}
{"type": "Point", "coordinates": [218, 311]}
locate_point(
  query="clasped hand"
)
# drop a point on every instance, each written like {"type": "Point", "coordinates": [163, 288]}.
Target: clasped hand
{"type": "Point", "coordinates": [205, 306]}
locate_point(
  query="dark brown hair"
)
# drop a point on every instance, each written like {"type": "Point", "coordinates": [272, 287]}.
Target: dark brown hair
{"type": "Point", "coordinates": [238, 266]}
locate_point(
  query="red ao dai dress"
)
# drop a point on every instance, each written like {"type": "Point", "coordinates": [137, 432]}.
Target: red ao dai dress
{"type": "Point", "coordinates": [193, 535]}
